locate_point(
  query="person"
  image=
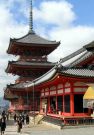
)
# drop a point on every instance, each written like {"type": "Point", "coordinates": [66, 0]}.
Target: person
{"type": "Point", "coordinates": [27, 119]}
{"type": "Point", "coordinates": [3, 126]}
{"type": "Point", "coordinates": [7, 116]}
{"type": "Point", "coordinates": [3, 113]}
{"type": "Point", "coordinates": [23, 118]}
{"type": "Point", "coordinates": [45, 108]}
{"type": "Point", "coordinates": [19, 124]}
{"type": "Point", "coordinates": [15, 118]}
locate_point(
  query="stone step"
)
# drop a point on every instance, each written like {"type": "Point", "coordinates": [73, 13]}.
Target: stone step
{"type": "Point", "coordinates": [36, 119]}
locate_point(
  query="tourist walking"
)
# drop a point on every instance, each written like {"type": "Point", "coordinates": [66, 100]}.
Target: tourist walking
{"type": "Point", "coordinates": [7, 116]}
{"type": "Point", "coordinates": [19, 125]}
{"type": "Point", "coordinates": [4, 115]}
{"type": "Point", "coordinates": [23, 118]}
{"type": "Point", "coordinates": [15, 118]}
{"type": "Point", "coordinates": [27, 119]}
{"type": "Point", "coordinates": [3, 126]}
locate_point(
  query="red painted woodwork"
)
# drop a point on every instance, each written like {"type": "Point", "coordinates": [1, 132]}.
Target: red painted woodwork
{"type": "Point", "coordinates": [68, 86]}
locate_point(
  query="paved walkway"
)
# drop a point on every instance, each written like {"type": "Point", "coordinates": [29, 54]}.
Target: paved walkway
{"type": "Point", "coordinates": [47, 130]}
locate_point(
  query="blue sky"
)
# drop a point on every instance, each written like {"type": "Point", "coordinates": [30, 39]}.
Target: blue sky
{"type": "Point", "coordinates": [84, 10]}
{"type": "Point", "coordinates": [68, 21]}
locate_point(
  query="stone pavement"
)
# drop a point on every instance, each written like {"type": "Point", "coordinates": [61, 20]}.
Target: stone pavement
{"type": "Point", "coordinates": [48, 130]}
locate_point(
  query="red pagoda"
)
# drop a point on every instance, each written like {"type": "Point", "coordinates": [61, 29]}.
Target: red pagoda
{"type": "Point", "coordinates": [32, 63]}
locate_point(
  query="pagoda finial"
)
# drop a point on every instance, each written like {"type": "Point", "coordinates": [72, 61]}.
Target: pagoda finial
{"type": "Point", "coordinates": [31, 18]}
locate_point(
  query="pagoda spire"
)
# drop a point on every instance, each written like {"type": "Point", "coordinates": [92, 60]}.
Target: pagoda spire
{"type": "Point", "coordinates": [31, 18]}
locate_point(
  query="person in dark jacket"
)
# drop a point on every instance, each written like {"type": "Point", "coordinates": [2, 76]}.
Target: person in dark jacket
{"type": "Point", "coordinates": [15, 118]}
{"type": "Point", "coordinates": [27, 119]}
{"type": "Point", "coordinates": [19, 124]}
{"type": "Point", "coordinates": [3, 126]}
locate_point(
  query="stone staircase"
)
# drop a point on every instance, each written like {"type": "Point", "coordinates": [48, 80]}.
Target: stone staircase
{"type": "Point", "coordinates": [52, 121]}
{"type": "Point", "coordinates": [59, 123]}
{"type": "Point", "coordinates": [36, 119]}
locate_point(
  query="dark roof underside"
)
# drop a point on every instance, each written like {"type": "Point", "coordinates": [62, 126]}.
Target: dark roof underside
{"type": "Point", "coordinates": [24, 63]}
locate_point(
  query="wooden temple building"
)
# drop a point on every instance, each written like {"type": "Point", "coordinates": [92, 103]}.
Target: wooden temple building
{"type": "Point", "coordinates": [56, 89]}
{"type": "Point", "coordinates": [62, 88]}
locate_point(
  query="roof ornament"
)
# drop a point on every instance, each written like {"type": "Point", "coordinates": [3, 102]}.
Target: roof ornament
{"type": "Point", "coordinates": [31, 18]}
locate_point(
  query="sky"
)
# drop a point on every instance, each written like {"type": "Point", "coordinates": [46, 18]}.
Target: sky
{"type": "Point", "coordinates": [69, 21]}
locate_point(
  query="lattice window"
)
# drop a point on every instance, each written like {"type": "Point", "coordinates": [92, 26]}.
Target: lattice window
{"type": "Point", "coordinates": [67, 84]}
{"type": "Point", "coordinates": [53, 88]}
{"type": "Point", "coordinates": [46, 89]}
{"type": "Point", "coordinates": [60, 86]}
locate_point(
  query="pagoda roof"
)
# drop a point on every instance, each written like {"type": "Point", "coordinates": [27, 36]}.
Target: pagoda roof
{"type": "Point", "coordinates": [29, 65]}
{"type": "Point", "coordinates": [17, 86]}
{"type": "Point", "coordinates": [9, 95]}
{"type": "Point", "coordinates": [33, 38]}
{"type": "Point", "coordinates": [22, 85]}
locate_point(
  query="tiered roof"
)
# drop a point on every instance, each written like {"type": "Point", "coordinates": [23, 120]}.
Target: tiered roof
{"type": "Point", "coordinates": [68, 66]}
{"type": "Point", "coordinates": [33, 42]}
{"type": "Point", "coordinates": [8, 95]}
{"type": "Point", "coordinates": [17, 65]}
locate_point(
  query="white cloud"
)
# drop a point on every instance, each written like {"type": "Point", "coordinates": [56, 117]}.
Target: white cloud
{"type": "Point", "coordinates": [8, 28]}
{"type": "Point", "coordinates": [56, 13]}
{"type": "Point", "coordinates": [62, 15]}
{"type": "Point", "coordinates": [71, 39]}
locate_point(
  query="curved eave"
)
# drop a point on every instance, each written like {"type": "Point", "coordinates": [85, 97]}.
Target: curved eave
{"type": "Point", "coordinates": [44, 78]}
{"type": "Point", "coordinates": [15, 44]}
{"type": "Point", "coordinates": [6, 97]}
{"type": "Point", "coordinates": [65, 75]}
{"type": "Point", "coordinates": [13, 64]}
{"type": "Point", "coordinates": [19, 87]}
{"type": "Point", "coordinates": [8, 68]}
{"type": "Point", "coordinates": [54, 73]}
{"type": "Point", "coordinates": [32, 65]}
{"type": "Point", "coordinates": [77, 76]}
{"type": "Point", "coordinates": [10, 96]}
{"type": "Point", "coordinates": [10, 46]}
{"type": "Point", "coordinates": [90, 46]}
{"type": "Point", "coordinates": [34, 38]}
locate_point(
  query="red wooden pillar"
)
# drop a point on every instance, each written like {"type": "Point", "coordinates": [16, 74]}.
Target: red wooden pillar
{"type": "Point", "coordinates": [72, 104]}
{"type": "Point", "coordinates": [63, 99]}
{"type": "Point", "coordinates": [71, 101]}
{"type": "Point", "coordinates": [40, 104]}
{"type": "Point", "coordinates": [49, 108]}
{"type": "Point", "coordinates": [56, 101]}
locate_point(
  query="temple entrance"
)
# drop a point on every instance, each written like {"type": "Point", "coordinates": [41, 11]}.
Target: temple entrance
{"type": "Point", "coordinates": [53, 104]}
{"type": "Point", "coordinates": [78, 103]}
{"type": "Point", "coordinates": [44, 105]}
{"type": "Point", "coordinates": [60, 104]}
{"type": "Point", "coordinates": [67, 103]}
